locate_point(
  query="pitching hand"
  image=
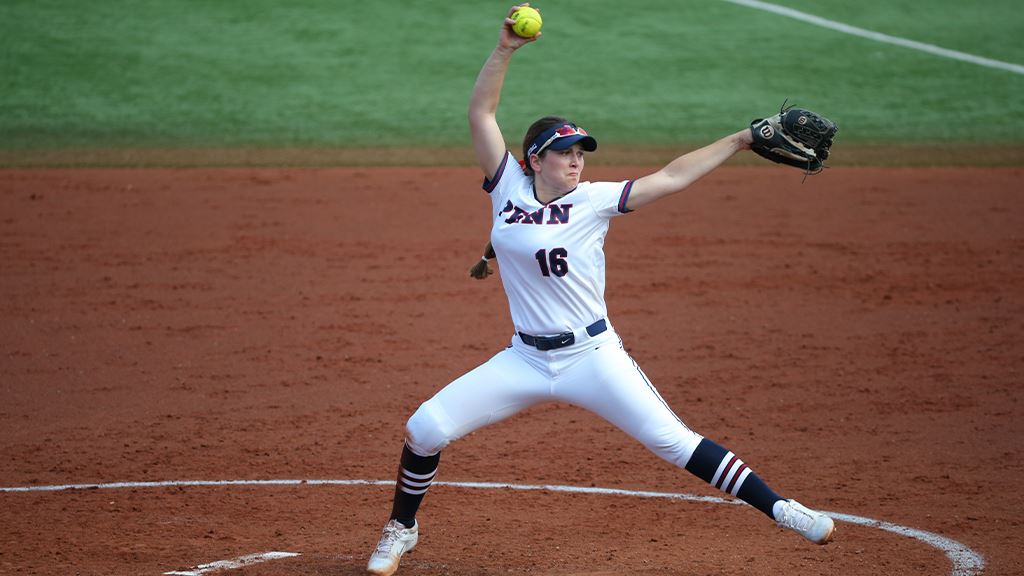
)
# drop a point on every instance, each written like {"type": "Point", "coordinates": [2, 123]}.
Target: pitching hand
{"type": "Point", "coordinates": [510, 39]}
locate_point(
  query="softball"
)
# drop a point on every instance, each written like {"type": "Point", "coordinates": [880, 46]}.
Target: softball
{"type": "Point", "coordinates": [527, 22]}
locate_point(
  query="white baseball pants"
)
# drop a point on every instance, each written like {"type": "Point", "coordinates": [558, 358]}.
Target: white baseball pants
{"type": "Point", "coordinates": [595, 373]}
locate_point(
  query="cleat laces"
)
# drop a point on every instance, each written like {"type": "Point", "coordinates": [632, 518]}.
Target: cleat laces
{"type": "Point", "coordinates": [388, 539]}
{"type": "Point", "coordinates": [796, 519]}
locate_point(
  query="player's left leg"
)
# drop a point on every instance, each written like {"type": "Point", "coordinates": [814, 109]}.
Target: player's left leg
{"type": "Point", "coordinates": [724, 470]}
{"type": "Point", "coordinates": [609, 383]}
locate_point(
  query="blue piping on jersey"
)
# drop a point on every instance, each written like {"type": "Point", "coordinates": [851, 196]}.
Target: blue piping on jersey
{"type": "Point", "coordinates": [491, 183]}
{"type": "Point", "coordinates": [624, 197]}
{"type": "Point", "coordinates": [535, 197]}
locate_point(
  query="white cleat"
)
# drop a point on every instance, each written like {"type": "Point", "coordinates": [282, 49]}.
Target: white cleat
{"type": "Point", "coordinates": [814, 526]}
{"type": "Point", "coordinates": [394, 541]}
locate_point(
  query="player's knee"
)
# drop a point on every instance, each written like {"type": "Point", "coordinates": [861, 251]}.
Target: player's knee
{"type": "Point", "coordinates": [427, 431]}
{"type": "Point", "coordinates": [674, 444]}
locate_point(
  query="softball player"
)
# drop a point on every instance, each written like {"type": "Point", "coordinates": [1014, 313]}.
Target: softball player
{"type": "Point", "coordinates": [548, 232]}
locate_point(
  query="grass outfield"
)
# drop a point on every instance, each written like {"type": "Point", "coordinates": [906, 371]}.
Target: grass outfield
{"type": "Point", "coordinates": [325, 74]}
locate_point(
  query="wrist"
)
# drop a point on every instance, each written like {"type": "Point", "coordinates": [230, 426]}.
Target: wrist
{"type": "Point", "coordinates": [744, 139]}
{"type": "Point", "coordinates": [504, 51]}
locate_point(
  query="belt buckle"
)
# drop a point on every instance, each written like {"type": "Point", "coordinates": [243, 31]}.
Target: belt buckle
{"type": "Point", "coordinates": [554, 342]}
{"type": "Point", "coordinates": [543, 343]}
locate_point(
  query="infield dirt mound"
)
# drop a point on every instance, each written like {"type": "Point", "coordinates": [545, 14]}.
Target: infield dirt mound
{"type": "Point", "coordinates": [858, 339]}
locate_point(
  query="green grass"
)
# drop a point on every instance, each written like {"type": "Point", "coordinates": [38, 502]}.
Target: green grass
{"type": "Point", "coordinates": [989, 28]}
{"type": "Point", "coordinates": [318, 73]}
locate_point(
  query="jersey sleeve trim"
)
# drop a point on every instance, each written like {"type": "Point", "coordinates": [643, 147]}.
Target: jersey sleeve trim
{"type": "Point", "coordinates": [624, 197]}
{"type": "Point", "coordinates": [491, 183]}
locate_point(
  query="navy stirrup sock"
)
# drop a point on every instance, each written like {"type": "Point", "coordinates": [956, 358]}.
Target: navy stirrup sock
{"type": "Point", "coordinates": [415, 474]}
{"type": "Point", "coordinates": [725, 471]}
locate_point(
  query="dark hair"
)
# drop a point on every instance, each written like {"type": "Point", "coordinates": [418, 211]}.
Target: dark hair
{"type": "Point", "coordinates": [535, 129]}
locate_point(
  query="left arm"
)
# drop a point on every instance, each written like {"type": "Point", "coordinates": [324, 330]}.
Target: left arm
{"type": "Point", "coordinates": [687, 169]}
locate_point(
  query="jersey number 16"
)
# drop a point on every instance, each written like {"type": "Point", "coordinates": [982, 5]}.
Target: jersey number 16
{"type": "Point", "coordinates": [553, 262]}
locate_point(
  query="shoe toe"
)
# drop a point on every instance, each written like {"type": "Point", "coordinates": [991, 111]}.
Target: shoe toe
{"type": "Point", "coordinates": [830, 531]}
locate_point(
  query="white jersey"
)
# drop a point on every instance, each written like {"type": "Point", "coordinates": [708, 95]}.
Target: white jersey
{"type": "Point", "coordinates": [552, 255]}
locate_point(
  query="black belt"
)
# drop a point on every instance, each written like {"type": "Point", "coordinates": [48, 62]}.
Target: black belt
{"type": "Point", "coordinates": [561, 340]}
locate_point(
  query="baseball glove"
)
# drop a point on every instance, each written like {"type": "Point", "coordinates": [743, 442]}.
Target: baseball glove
{"type": "Point", "coordinates": [795, 137]}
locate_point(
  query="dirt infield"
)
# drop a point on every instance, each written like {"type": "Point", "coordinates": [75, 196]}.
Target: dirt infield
{"type": "Point", "coordinates": [858, 339]}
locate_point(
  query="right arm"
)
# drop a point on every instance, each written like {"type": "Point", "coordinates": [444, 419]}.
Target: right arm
{"type": "Point", "coordinates": [488, 142]}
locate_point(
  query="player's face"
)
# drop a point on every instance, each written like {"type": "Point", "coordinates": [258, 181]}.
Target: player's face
{"type": "Point", "coordinates": [561, 169]}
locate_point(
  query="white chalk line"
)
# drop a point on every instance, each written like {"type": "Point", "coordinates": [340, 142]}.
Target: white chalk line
{"type": "Point", "coordinates": [240, 562]}
{"type": "Point", "coordinates": [966, 562]}
{"type": "Point", "coordinates": [878, 36]}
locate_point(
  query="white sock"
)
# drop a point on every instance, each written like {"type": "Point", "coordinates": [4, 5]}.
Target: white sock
{"type": "Point", "coordinates": [777, 509]}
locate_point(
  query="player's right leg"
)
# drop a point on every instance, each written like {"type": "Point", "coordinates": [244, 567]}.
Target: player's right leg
{"type": "Point", "coordinates": [499, 388]}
